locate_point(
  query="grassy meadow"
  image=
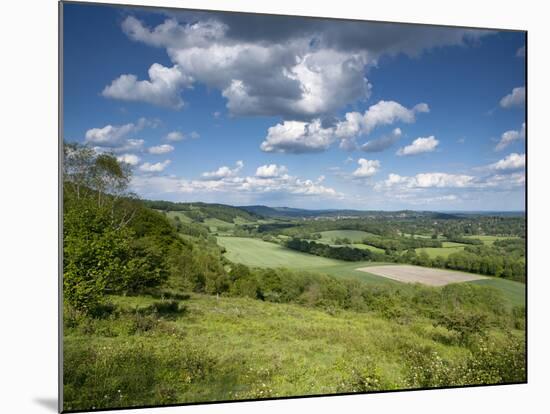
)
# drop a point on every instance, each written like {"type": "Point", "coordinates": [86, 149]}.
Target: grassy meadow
{"type": "Point", "coordinates": [237, 348]}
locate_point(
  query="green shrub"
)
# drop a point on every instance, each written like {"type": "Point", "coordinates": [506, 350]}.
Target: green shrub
{"type": "Point", "coordinates": [465, 324]}
{"type": "Point", "coordinates": [494, 362]}
{"type": "Point", "coordinates": [427, 369]}
{"type": "Point", "coordinates": [104, 310]}
{"type": "Point", "coordinates": [94, 257]}
{"type": "Point", "coordinates": [105, 374]}
{"type": "Point", "coordinates": [101, 257]}
{"type": "Point", "coordinates": [141, 323]}
{"type": "Point", "coordinates": [167, 294]}
{"type": "Point", "coordinates": [162, 308]}
{"type": "Point", "coordinates": [167, 307]}
{"type": "Point", "coordinates": [519, 315]}
{"type": "Point", "coordinates": [360, 376]}
{"type": "Point", "coordinates": [489, 362]}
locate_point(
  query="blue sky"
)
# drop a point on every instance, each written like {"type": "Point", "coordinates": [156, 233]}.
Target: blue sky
{"type": "Point", "coordinates": [310, 113]}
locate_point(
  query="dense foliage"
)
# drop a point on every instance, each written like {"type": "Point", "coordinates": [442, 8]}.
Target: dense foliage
{"type": "Point", "coordinates": [111, 242]}
{"type": "Point", "coordinates": [334, 252]}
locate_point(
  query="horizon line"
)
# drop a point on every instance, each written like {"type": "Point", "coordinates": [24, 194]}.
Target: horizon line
{"type": "Point", "coordinates": [343, 208]}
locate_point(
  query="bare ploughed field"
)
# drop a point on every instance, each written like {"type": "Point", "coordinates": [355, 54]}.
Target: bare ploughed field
{"type": "Point", "coordinates": [418, 274]}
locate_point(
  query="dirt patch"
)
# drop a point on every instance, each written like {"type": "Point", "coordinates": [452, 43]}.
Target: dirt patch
{"type": "Point", "coordinates": [418, 274]}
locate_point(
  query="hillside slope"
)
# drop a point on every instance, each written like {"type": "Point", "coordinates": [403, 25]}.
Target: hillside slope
{"type": "Point", "coordinates": [238, 348]}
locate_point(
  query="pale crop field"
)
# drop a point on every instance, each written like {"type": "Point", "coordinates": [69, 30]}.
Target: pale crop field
{"type": "Point", "coordinates": [425, 275]}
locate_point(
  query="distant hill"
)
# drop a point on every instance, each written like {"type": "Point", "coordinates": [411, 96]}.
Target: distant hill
{"type": "Point", "coordinates": [200, 211]}
{"type": "Point", "coordinates": [224, 212]}
{"type": "Point", "coordinates": [487, 213]}
{"type": "Point", "coordinates": [287, 212]}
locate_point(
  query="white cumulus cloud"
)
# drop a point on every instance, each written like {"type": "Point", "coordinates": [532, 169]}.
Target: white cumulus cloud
{"type": "Point", "coordinates": [419, 146]}
{"type": "Point", "coordinates": [367, 168]}
{"type": "Point", "coordinates": [116, 138]}
{"type": "Point", "coordinates": [380, 114]}
{"type": "Point", "coordinates": [380, 144]}
{"type": "Point", "coordinates": [154, 168]}
{"type": "Point", "coordinates": [223, 172]}
{"type": "Point", "coordinates": [513, 161]}
{"type": "Point", "coordinates": [510, 136]}
{"type": "Point", "coordinates": [300, 137]}
{"type": "Point", "coordinates": [256, 77]}
{"type": "Point", "coordinates": [428, 180]}
{"type": "Point", "coordinates": [515, 98]}
{"type": "Point", "coordinates": [162, 88]}
{"type": "Point", "coordinates": [174, 136]}
{"type": "Point", "coordinates": [129, 145]}
{"type": "Point", "coordinates": [302, 71]}
{"type": "Point", "coordinates": [271, 171]}
{"type": "Point", "coordinates": [227, 180]}
{"type": "Point", "coordinates": [109, 135]}
{"type": "Point", "coordinates": [114, 135]}
{"type": "Point", "coordinates": [297, 137]}
{"type": "Point", "coordinates": [131, 159]}
{"type": "Point", "coordinates": [160, 149]}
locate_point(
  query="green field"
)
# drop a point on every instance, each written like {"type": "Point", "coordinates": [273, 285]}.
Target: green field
{"type": "Point", "coordinates": [513, 291]}
{"type": "Point", "coordinates": [489, 240]}
{"type": "Point", "coordinates": [258, 253]}
{"type": "Point", "coordinates": [417, 236]}
{"type": "Point", "coordinates": [215, 224]}
{"type": "Point", "coordinates": [182, 216]}
{"type": "Point", "coordinates": [444, 251]}
{"type": "Point", "coordinates": [368, 247]}
{"type": "Point", "coordinates": [452, 244]}
{"type": "Point", "coordinates": [440, 251]}
{"type": "Point", "coordinates": [353, 235]}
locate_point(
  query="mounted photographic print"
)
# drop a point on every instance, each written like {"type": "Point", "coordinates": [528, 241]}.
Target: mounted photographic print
{"type": "Point", "coordinates": [266, 206]}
